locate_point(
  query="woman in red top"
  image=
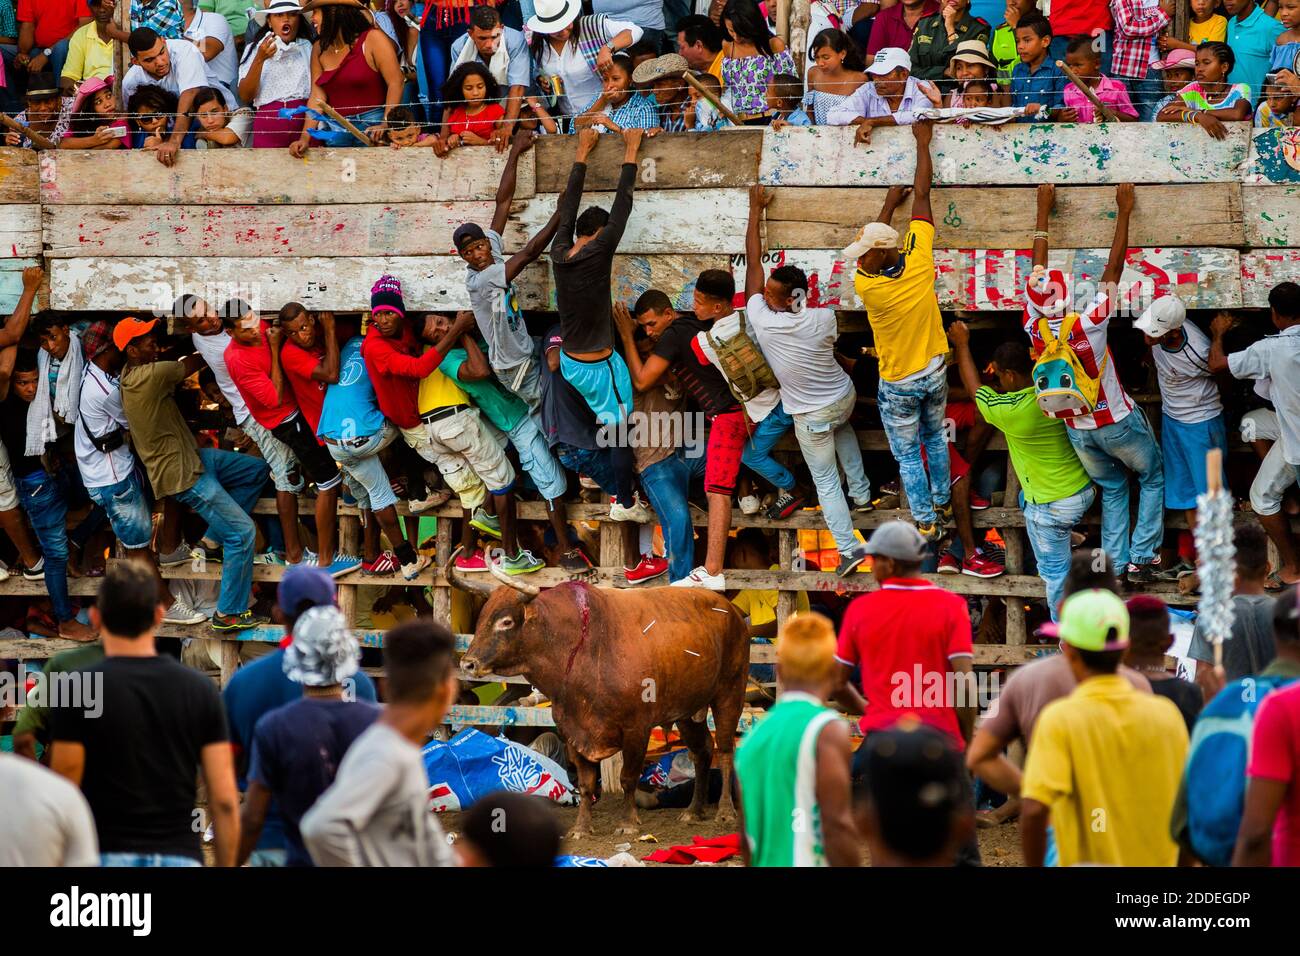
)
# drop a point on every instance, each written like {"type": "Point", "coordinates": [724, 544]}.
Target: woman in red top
{"type": "Point", "coordinates": [472, 108]}
{"type": "Point", "coordinates": [354, 68]}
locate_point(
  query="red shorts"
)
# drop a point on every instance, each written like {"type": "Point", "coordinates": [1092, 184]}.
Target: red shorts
{"type": "Point", "coordinates": [727, 435]}
{"type": "Point", "coordinates": [962, 415]}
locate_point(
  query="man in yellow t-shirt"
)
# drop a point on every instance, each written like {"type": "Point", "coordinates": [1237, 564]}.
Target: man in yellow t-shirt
{"type": "Point", "coordinates": [1106, 761]}
{"type": "Point", "coordinates": [90, 50]}
{"type": "Point", "coordinates": [897, 289]}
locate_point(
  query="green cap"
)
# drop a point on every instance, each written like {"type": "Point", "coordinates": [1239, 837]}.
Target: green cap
{"type": "Point", "coordinates": [1093, 620]}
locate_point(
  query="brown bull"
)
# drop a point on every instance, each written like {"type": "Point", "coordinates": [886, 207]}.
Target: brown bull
{"type": "Point", "coordinates": [616, 664]}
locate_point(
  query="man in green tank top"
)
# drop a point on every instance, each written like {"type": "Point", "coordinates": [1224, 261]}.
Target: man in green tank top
{"type": "Point", "coordinates": [793, 767]}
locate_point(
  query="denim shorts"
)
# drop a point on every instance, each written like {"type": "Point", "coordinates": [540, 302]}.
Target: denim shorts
{"type": "Point", "coordinates": [8, 490]}
{"type": "Point", "coordinates": [146, 859]}
{"type": "Point", "coordinates": [537, 459]}
{"type": "Point", "coordinates": [284, 467]}
{"type": "Point", "coordinates": [128, 511]}
{"type": "Point", "coordinates": [311, 454]}
{"type": "Point", "coordinates": [361, 463]}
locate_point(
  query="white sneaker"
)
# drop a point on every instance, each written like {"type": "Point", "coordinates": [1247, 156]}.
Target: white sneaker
{"type": "Point", "coordinates": [412, 571]}
{"type": "Point", "coordinates": [749, 505]}
{"type": "Point", "coordinates": [701, 578]}
{"type": "Point", "coordinates": [4, 571]}
{"type": "Point", "coordinates": [182, 613]}
{"type": "Point", "coordinates": [638, 512]}
{"type": "Point", "coordinates": [435, 500]}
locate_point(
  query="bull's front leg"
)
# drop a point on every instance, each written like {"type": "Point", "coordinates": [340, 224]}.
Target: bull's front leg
{"type": "Point", "coordinates": [588, 776]}
{"type": "Point", "coordinates": [726, 809]}
{"type": "Point", "coordinates": [634, 748]}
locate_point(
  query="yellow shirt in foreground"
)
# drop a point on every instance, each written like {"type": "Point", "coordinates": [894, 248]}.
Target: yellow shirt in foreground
{"type": "Point", "coordinates": [903, 310]}
{"type": "Point", "coordinates": [438, 391]}
{"type": "Point", "coordinates": [760, 605]}
{"type": "Point", "coordinates": [1107, 761]}
{"type": "Point", "coordinates": [1215, 28]}
{"type": "Point", "coordinates": [88, 55]}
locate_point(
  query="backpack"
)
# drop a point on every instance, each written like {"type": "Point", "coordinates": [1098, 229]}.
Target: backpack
{"type": "Point", "coordinates": [742, 363]}
{"type": "Point", "coordinates": [1214, 781]}
{"type": "Point", "coordinates": [1062, 388]}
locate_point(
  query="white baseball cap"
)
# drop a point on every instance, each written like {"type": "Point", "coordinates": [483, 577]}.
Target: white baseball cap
{"type": "Point", "coordinates": [1162, 316]}
{"type": "Point", "coordinates": [874, 235]}
{"type": "Point", "coordinates": [888, 59]}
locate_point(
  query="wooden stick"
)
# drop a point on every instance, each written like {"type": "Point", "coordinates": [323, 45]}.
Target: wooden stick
{"type": "Point", "coordinates": [721, 108]}
{"type": "Point", "coordinates": [345, 123]}
{"type": "Point", "coordinates": [1106, 115]}
{"type": "Point", "coordinates": [36, 138]}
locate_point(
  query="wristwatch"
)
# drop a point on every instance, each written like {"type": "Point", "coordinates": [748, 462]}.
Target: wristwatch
{"type": "Point", "coordinates": [610, 46]}
{"type": "Point", "coordinates": [48, 52]}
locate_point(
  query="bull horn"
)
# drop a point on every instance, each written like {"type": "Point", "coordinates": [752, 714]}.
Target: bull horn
{"type": "Point", "coordinates": [529, 591]}
{"type": "Point", "coordinates": [458, 580]}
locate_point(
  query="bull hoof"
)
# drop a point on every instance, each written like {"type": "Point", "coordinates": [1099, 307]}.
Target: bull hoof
{"type": "Point", "coordinates": [627, 829]}
{"type": "Point", "coordinates": [578, 833]}
{"type": "Point", "coordinates": [692, 816]}
{"type": "Point", "coordinates": [725, 816]}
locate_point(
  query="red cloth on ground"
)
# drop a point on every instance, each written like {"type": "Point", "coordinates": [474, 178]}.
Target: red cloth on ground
{"type": "Point", "coordinates": [701, 850]}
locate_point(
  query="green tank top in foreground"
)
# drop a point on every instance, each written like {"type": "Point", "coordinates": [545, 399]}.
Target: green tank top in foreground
{"type": "Point", "coordinates": [777, 767]}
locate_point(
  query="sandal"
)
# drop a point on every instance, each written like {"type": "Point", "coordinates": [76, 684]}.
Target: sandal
{"type": "Point", "coordinates": [1275, 583]}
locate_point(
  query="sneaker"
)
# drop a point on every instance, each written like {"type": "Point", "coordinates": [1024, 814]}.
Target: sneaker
{"type": "Point", "coordinates": [385, 563]}
{"type": "Point", "coordinates": [309, 557]}
{"type": "Point", "coordinates": [978, 502]}
{"type": "Point", "coordinates": [37, 571]}
{"type": "Point", "coordinates": [434, 500]}
{"type": "Point", "coordinates": [930, 532]}
{"type": "Point", "coordinates": [4, 571]}
{"type": "Point", "coordinates": [786, 504]}
{"type": "Point", "coordinates": [180, 556]}
{"type": "Point", "coordinates": [342, 565]}
{"type": "Point", "coordinates": [1143, 573]}
{"type": "Point", "coordinates": [863, 505]}
{"type": "Point", "coordinates": [208, 553]}
{"type": "Point", "coordinates": [850, 562]}
{"type": "Point", "coordinates": [1176, 571]}
{"type": "Point", "coordinates": [948, 563]}
{"type": "Point", "coordinates": [471, 563]}
{"type": "Point", "coordinates": [237, 622]}
{"type": "Point", "coordinates": [944, 512]}
{"type": "Point", "coordinates": [980, 565]}
{"type": "Point", "coordinates": [638, 512]}
{"type": "Point", "coordinates": [749, 505]}
{"type": "Point", "coordinates": [589, 483]}
{"type": "Point", "coordinates": [490, 525]}
{"type": "Point", "coordinates": [701, 578]}
{"type": "Point", "coordinates": [574, 561]}
{"type": "Point", "coordinates": [269, 557]}
{"type": "Point", "coordinates": [412, 571]}
{"type": "Point", "coordinates": [182, 613]}
{"type": "Point", "coordinates": [650, 566]}
{"type": "Point", "coordinates": [525, 562]}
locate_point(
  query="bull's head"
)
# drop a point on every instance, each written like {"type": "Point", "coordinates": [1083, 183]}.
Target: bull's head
{"type": "Point", "coordinates": [497, 647]}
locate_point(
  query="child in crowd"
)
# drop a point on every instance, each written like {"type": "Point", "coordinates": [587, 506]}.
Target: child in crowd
{"type": "Point", "coordinates": [972, 62]}
{"type": "Point", "coordinates": [619, 107]}
{"type": "Point", "coordinates": [1278, 111]}
{"type": "Point", "coordinates": [1205, 24]}
{"type": "Point", "coordinates": [784, 99]}
{"type": "Point", "coordinates": [1085, 60]}
{"type": "Point", "coordinates": [1036, 79]}
{"type": "Point", "coordinates": [975, 93]}
{"type": "Point", "coordinates": [1149, 640]}
{"type": "Point", "coordinates": [1210, 98]}
{"type": "Point", "coordinates": [476, 113]}
{"type": "Point", "coordinates": [1287, 45]}
{"type": "Point", "coordinates": [95, 123]}
{"type": "Point", "coordinates": [213, 116]}
{"type": "Point", "coordinates": [404, 129]}
{"type": "Point", "coordinates": [704, 117]}
{"type": "Point", "coordinates": [153, 110]}
{"type": "Point", "coordinates": [1177, 69]}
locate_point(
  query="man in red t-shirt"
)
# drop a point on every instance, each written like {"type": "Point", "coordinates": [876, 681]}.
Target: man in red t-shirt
{"type": "Point", "coordinates": [1081, 17]}
{"type": "Point", "coordinates": [44, 27]}
{"type": "Point", "coordinates": [911, 641]}
{"type": "Point", "coordinates": [248, 359]}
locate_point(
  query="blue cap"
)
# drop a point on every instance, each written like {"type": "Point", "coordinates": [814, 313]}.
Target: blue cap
{"type": "Point", "coordinates": [304, 584]}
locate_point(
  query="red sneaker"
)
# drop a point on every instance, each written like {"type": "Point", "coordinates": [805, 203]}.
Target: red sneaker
{"type": "Point", "coordinates": [978, 502]}
{"type": "Point", "coordinates": [651, 566]}
{"type": "Point", "coordinates": [473, 562]}
{"type": "Point", "coordinates": [386, 563]}
{"type": "Point", "coordinates": [978, 566]}
{"type": "Point", "coordinates": [948, 564]}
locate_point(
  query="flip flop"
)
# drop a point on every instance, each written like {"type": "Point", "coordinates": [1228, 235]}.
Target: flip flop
{"type": "Point", "coordinates": [1274, 582]}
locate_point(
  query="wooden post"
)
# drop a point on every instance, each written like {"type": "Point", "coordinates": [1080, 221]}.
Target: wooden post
{"type": "Point", "coordinates": [783, 20]}
{"type": "Point", "coordinates": [442, 593]}
{"type": "Point", "coordinates": [229, 660]}
{"type": "Point", "coordinates": [1181, 18]}
{"type": "Point", "coordinates": [1014, 540]}
{"type": "Point", "coordinates": [800, 17]}
{"type": "Point", "coordinates": [349, 543]}
{"type": "Point", "coordinates": [611, 545]}
{"type": "Point", "coordinates": [121, 55]}
{"type": "Point", "coordinates": [785, 600]}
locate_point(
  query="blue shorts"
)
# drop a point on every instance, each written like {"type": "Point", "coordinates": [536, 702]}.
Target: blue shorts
{"type": "Point", "coordinates": [605, 385]}
{"type": "Point", "coordinates": [128, 511]}
{"type": "Point", "coordinates": [1184, 447]}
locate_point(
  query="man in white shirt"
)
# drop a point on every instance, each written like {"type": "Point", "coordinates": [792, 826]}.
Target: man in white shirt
{"type": "Point", "coordinates": [504, 51]}
{"type": "Point", "coordinates": [178, 67]}
{"type": "Point", "coordinates": [210, 34]}
{"type": "Point", "coordinates": [799, 344]}
{"type": "Point", "coordinates": [44, 819]}
{"type": "Point", "coordinates": [107, 464]}
{"type": "Point", "coordinates": [1275, 360]}
{"type": "Point", "coordinates": [892, 97]}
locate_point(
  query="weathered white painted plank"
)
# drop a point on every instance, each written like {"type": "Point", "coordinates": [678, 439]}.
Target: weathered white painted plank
{"type": "Point", "coordinates": [993, 280]}
{"type": "Point", "coordinates": [18, 176]}
{"type": "Point", "coordinates": [398, 229]}
{"type": "Point", "coordinates": [677, 221]}
{"type": "Point", "coordinates": [11, 284]}
{"type": "Point", "coordinates": [1271, 215]}
{"type": "Point", "coordinates": [1263, 269]}
{"type": "Point", "coordinates": [725, 159]}
{"type": "Point", "coordinates": [1015, 154]}
{"type": "Point", "coordinates": [342, 284]}
{"type": "Point", "coordinates": [237, 176]}
{"type": "Point", "coordinates": [20, 230]}
{"type": "Point", "coordinates": [1274, 156]}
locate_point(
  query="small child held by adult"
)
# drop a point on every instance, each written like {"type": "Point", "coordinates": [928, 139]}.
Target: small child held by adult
{"type": "Point", "coordinates": [619, 106]}
{"type": "Point", "coordinates": [785, 99]}
{"type": "Point", "coordinates": [703, 116]}
{"type": "Point", "coordinates": [1278, 111]}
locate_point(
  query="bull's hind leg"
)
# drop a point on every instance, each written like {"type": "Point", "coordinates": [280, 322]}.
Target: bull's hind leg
{"type": "Point", "coordinates": [726, 715]}
{"type": "Point", "coordinates": [696, 736]}
{"type": "Point", "coordinates": [635, 743]}
{"type": "Point", "coordinates": [588, 778]}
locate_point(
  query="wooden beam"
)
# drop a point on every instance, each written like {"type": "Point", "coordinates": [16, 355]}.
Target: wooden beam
{"type": "Point", "coordinates": [667, 161]}
{"type": "Point", "coordinates": [18, 177]}
{"type": "Point", "coordinates": [1271, 215]}
{"type": "Point", "coordinates": [1261, 269]}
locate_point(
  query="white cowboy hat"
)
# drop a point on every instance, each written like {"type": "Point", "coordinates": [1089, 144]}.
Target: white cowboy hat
{"type": "Point", "coordinates": [275, 6]}
{"type": "Point", "coordinates": [552, 16]}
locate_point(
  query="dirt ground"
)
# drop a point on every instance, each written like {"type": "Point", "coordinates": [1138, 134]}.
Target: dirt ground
{"type": "Point", "coordinates": [999, 846]}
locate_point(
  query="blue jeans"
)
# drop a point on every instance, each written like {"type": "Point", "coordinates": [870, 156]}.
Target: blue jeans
{"type": "Point", "coordinates": [435, 57]}
{"type": "Point", "coordinates": [1048, 526]}
{"type": "Point", "coordinates": [825, 438]}
{"type": "Point", "coordinates": [912, 413]}
{"type": "Point", "coordinates": [667, 484]}
{"type": "Point", "coordinates": [1105, 453]}
{"type": "Point", "coordinates": [1145, 94]}
{"type": "Point", "coordinates": [46, 503]}
{"type": "Point", "coordinates": [596, 463]}
{"type": "Point", "coordinates": [138, 860]}
{"type": "Point", "coordinates": [128, 511]}
{"type": "Point", "coordinates": [758, 449]}
{"type": "Point", "coordinates": [224, 497]}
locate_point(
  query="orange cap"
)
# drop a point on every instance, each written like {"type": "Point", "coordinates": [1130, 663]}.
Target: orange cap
{"type": "Point", "coordinates": [130, 328]}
